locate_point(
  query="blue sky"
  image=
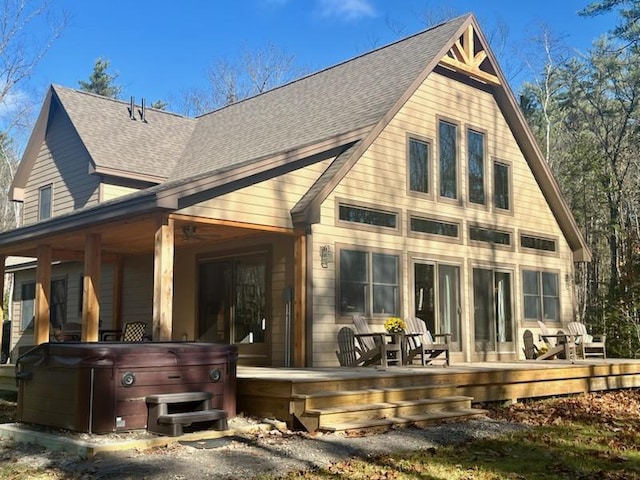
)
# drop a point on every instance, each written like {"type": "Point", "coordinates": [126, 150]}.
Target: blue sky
{"type": "Point", "coordinates": [160, 48]}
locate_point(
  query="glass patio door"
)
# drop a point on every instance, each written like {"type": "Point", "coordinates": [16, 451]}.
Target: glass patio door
{"type": "Point", "coordinates": [493, 316]}
{"type": "Point", "coordinates": [232, 304]}
{"type": "Point", "coordinates": [437, 298]}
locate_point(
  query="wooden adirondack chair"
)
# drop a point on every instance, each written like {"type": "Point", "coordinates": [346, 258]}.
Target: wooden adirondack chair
{"type": "Point", "coordinates": [559, 344]}
{"type": "Point", "coordinates": [375, 347]}
{"type": "Point", "coordinates": [421, 344]}
{"type": "Point", "coordinates": [588, 345]}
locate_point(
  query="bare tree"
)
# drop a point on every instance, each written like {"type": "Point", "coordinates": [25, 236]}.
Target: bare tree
{"type": "Point", "coordinates": [252, 73]}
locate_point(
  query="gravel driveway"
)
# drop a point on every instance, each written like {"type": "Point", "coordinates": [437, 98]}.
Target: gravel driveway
{"type": "Point", "coordinates": [245, 456]}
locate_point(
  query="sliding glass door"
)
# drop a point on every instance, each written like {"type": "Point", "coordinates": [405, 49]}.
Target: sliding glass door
{"type": "Point", "coordinates": [492, 311]}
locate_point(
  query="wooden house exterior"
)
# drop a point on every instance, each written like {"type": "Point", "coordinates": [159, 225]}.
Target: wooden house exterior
{"type": "Point", "coordinates": [403, 182]}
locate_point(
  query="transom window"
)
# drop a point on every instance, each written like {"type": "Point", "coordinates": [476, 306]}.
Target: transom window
{"type": "Point", "coordinates": [537, 243]}
{"type": "Point", "coordinates": [368, 216]}
{"type": "Point", "coordinates": [419, 166]}
{"type": "Point", "coordinates": [501, 190]}
{"type": "Point", "coordinates": [44, 203]}
{"type": "Point", "coordinates": [447, 135]}
{"type": "Point", "coordinates": [489, 235]}
{"type": "Point", "coordinates": [369, 283]}
{"type": "Point", "coordinates": [475, 158]}
{"type": "Point", "coordinates": [434, 227]}
{"type": "Point", "coordinates": [541, 295]}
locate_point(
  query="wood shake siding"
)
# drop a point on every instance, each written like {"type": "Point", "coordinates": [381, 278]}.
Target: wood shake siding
{"type": "Point", "coordinates": [380, 178]}
{"type": "Point", "coordinates": [64, 163]}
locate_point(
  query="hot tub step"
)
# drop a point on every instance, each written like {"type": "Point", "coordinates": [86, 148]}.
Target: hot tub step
{"type": "Point", "coordinates": [169, 413]}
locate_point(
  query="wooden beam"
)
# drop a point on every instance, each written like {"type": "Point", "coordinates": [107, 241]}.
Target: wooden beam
{"type": "Point", "coordinates": [43, 295]}
{"type": "Point", "coordinates": [163, 280]}
{"type": "Point", "coordinates": [299, 300]}
{"type": "Point", "coordinates": [473, 72]}
{"type": "Point", "coordinates": [233, 224]}
{"type": "Point", "coordinates": [116, 309]}
{"type": "Point", "coordinates": [3, 258]}
{"type": "Point", "coordinates": [91, 287]}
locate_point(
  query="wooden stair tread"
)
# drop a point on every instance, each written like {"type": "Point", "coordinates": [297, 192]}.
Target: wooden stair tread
{"type": "Point", "coordinates": [336, 393]}
{"type": "Point", "coordinates": [407, 419]}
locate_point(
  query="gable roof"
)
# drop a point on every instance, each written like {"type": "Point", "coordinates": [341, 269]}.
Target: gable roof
{"type": "Point", "coordinates": [337, 112]}
{"type": "Point", "coordinates": [116, 144]}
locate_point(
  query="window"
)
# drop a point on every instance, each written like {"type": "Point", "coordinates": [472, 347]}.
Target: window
{"type": "Point", "coordinates": [418, 166]}
{"type": "Point", "coordinates": [537, 243]}
{"type": "Point", "coordinates": [368, 216]}
{"type": "Point", "coordinates": [475, 157]}
{"type": "Point", "coordinates": [447, 134]}
{"type": "Point", "coordinates": [489, 235]}
{"type": "Point", "coordinates": [541, 296]}
{"type": "Point", "coordinates": [369, 283]}
{"type": "Point", "coordinates": [27, 296]}
{"type": "Point", "coordinates": [501, 197]}
{"type": "Point", "coordinates": [434, 227]}
{"type": "Point", "coordinates": [44, 203]}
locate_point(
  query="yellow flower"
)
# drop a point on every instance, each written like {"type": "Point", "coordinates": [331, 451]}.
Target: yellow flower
{"type": "Point", "coordinates": [394, 325]}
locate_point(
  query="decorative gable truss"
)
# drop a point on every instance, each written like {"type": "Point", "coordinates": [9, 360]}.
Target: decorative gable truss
{"type": "Point", "coordinates": [468, 57]}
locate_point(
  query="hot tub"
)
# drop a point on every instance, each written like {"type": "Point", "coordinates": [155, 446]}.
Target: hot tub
{"type": "Point", "coordinates": [101, 387]}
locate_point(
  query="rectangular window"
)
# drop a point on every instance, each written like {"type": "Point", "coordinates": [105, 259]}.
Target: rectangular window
{"type": "Point", "coordinates": [537, 243]}
{"type": "Point", "coordinates": [541, 296]}
{"type": "Point", "coordinates": [27, 296]}
{"type": "Point", "coordinates": [368, 216]}
{"type": "Point", "coordinates": [44, 203]}
{"type": "Point", "coordinates": [418, 166]}
{"type": "Point", "coordinates": [501, 197]}
{"type": "Point", "coordinates": [475, 146]}
{"type": "Point", "coordinates": [447, 135]}
{"type": "Point", "coordinates": [434, 227]}
{"type": "Point", "coordinates": [369, 283]}
{"type": "Point", "coordinates": [489, 235]}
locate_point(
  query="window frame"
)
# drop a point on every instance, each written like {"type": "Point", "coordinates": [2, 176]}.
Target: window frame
{"type": "Point", "coordinates": [536, 251]}
{"type": "Point", "coordinates": [457, 199]}
{"type": "Point", "coordinates": [410, 137]}
{"type": "Point", "coordinates": [540, 295]}
{"type": "Point", "coordinates": [489, 244]}
{"type": "Point", "coordinates": [48, 187]}
{"type": "Point", "coordinates": [509, 166]}
{"type": "Point", "coordinates": [365, 226]}
{"type": "Point", "coordinates": [434, 218]}
{"type": "Point", "coordinates": [485, 171]}
{"type": "Point", "coordinates": [369, 300]}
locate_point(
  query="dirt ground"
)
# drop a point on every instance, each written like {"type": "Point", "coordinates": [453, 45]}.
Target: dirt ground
{"type": "Point", "coordinates": [275, 452]}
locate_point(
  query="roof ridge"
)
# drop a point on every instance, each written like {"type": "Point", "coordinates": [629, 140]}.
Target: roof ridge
{"type": "Point", "coordinates": [333, 66]}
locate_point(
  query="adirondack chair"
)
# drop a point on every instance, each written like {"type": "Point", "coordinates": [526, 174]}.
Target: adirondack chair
{"type": "Point", "coordinates": [588, 345]}
{"type": "Point", "coordinates": [530, 350]}
{"type": "Point", "coordinates": [559, 344]}
{"type": "Point", "coordinates": [421, 344]}
{"type": "Point", "coordinates": [376, 348]}
{"type": "Point", "coordinates": [348, 353]}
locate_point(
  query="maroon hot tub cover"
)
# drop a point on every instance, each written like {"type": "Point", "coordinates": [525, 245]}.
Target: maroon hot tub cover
{"type": "Point", "coordinates": [101, 387]}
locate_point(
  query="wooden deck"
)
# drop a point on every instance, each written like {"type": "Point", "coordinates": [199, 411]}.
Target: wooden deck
{"type": "Point", "coordinates": [346, 398]}
{"type": "Point", "coordinates": [364, 397]}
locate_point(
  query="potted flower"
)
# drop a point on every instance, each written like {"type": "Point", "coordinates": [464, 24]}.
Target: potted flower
{"type": "Point", "coordinates": [394, 325]}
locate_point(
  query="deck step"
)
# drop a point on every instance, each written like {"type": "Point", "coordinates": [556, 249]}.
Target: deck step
{"type": "Point", "coordinates": [405, 420]}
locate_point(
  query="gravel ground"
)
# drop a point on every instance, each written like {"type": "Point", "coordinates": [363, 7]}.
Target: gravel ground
{"type": "Point", "coordinates": [245, 456]}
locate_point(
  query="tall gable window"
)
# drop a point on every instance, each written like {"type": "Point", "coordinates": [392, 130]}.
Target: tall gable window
{"type": "Point", "coordinates": [44, 202]}
{"type": "Point", "coordinates": [419, 166]}
{"type": "Point", "coordinates": [475, 156]}
{"type": "Point", "coordinates": [541, 295]}
{"type": "Point", "coordinates": [369, 283]}
{"type": "Point", "coordinates": [501, 186]}
{"type": "Point", "coordinates": [447, 136]}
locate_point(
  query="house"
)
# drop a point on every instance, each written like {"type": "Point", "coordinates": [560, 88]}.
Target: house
{"type": "Point", "coordinates": [404, 181]}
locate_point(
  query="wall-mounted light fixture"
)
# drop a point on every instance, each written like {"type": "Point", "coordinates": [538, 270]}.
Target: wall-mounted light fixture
{"type": "Point", "coordinates": [326, 256]}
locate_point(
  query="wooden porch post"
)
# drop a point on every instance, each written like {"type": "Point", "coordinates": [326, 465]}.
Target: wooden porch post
{"type": "Point", "coordinates": [3, 258]}
{"type": "Point", "coordinates": [91, 287]}
{"type": "Point", "coordinates": [116, 309]}
{"type": "Point", "coordinates": [43, 296]}
{"type": "Point", "coordinates": [299, 301]}
{"type": "Point", "coordinates": [163, 280]}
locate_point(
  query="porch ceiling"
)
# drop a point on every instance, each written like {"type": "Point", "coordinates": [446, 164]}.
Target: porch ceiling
{"type": "Point", "coordinates": [135, 235]}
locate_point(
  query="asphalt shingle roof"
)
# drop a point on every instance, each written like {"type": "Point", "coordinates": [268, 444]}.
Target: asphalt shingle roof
{"type": "Point", "coordinates": [114, 141]}
{"type": "Point", "coordinates": [340, 99]}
